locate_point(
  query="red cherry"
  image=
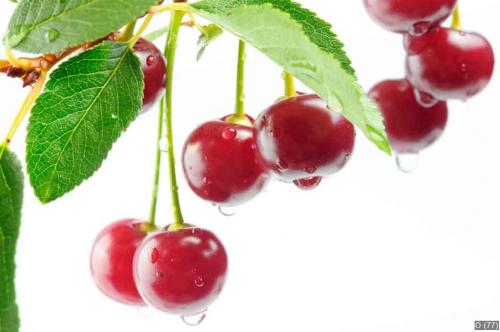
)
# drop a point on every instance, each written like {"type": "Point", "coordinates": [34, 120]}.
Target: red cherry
{"type": "Point", "coordinates": [301, 138]}
{"type": "Point", "coordinates": [111, 260]}
{"type": "Point", "coordinates": [414, 16]}
{"type": "Point", "coordinates": [181, 272]}
{"type": "Point", "coordinates": [410, 126]}
{"type": "Point", "coordinates": [308, 183]}
{"type": "Point", "coordinates": [449, 64]}
{"type": "Point", "coordinates": [154, 68]}
{"type": "Point", "coordinates": [221, 163]}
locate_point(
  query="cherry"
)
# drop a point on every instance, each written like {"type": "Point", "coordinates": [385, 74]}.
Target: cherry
{"type": "Point", "coordinates": [301, 138]}
{"type": "Point", "coordinates": [410, 126]}
{"type": "Point", "coordinates": [414, 16]}
{"type": "Point", "coordinates": [449, 64]}
{"type": "Point", "coordinates": [221, 162]}
{"type": "Point", "coordinates": [181, 272]}
{"type": "Point", "coordinates": [154, 68]}
{"type": "Point", "coordinates": [111, 260]}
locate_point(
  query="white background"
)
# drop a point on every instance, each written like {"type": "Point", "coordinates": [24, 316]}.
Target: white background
{"type": "Point", "coordinates": [371, 249]}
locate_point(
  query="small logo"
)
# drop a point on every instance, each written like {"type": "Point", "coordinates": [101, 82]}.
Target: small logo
{"type": "Point", "coordinates": [484, 325]}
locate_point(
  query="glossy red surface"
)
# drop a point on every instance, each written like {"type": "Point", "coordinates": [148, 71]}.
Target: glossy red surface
{"type": "Point", "coordinates": [181, 272]}
{"type": "Point", "coordinates": [415, 16]}
{"type": "Point", "coordinates": [449, 64]}
{"type": "Point", "coordinates": [301, 138]}
{"type": "Point", "coordinates": [410, 126]}
{"type": "Point", "coordinates": [154, 69]}
{"type": "Point", "coordinates": [111, 261]}
{"type": "Point", "coordinates": [221, 163]}
{"type": "Point", "coordinates": [308, 183]}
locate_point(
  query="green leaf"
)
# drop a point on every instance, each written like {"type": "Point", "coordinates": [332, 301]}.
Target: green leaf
{"type": "Point", "coordinates": [50, 26]}
{"type": "Point", "coordinates": [11, 200]}
{"type": "Point", "coordinates": [209, 33]}
{"type": "Point", "coordinates": [305, 46]}
{"type": "Point", "coordinates": [87, 103]}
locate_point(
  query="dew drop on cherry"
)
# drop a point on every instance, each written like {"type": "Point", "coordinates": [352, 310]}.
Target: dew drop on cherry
{"type": "Point", "coordinates": [419, 29]}
{"type": "Point", "coordinates": [155, 254]}
{"type": "Point", "coordinates": [407, 162]}
{"type": "Point", "coordinates": [229, 133]}
{"type": "Point", "coordinates": [194, 320]}
{"type": "Point", "coordinates": [227, 211]}
{"type": "Point", "coordinates": [311, 169]}
{"type": "Point", "coordinates": [150, 60]}
{"type": "Point", "coordinates": [424, 99]}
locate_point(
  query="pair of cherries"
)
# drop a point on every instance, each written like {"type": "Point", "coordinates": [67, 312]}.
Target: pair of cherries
{"type": "Point", "coordinates": [441, 64]}
{"type": "Point", "coordinates": [297, 139]}
{"type": "Point", "coordinates": [178, 271]}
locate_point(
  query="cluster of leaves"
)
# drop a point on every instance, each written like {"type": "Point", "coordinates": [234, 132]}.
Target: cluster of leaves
{"type": "Point", "coordinates": [90, 99]}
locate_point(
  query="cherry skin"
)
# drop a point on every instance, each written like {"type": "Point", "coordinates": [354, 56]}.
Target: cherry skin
{"type": "Point", "coordinates": [221, 162]}
{"type": "Point", "coordinates": [154, 69]}
{"type": "Point", "coordinates": [449, 64]}
{"type": "Point", "coordinates": [111, 260]}
{"type": "Point", "coordinates": [414, 16]}
{"type": "Point", "coordinates": [410, 127]}
{"type": "Point", "coordinates": [300, 138]}
{"type": "Point", "coordinates": [181, 272]}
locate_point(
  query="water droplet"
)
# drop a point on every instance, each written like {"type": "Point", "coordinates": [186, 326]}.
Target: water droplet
{"type": "Point", "coordinates": [425, 100]}
{"type": "Point", "coordinates": [207, 180]}
{"type": "Point", "coordinates": [419, 29]}
{"type": "Point", "coordinates": [154, 256]}
{"type": "Point", "coordinates": [407, 162]}
{"type": "Point", "coordinates": [308, 183]}
{"type": "Point", "coordinates": [199, 282]}
{"type": "Point", "coordinates": [227, 211]}
{"type": "Point", "coordinates": [194, 320]}
{"type": "Point", "coordinates": [229, 133]}
{"type": "Point", "coordinates": [114, 116]}
{"type": "Point", "coordinates": [160, 274]}
{"type": "Point", "coordinates": [150, 60]}
{"type": "Point", "coordinates": [51, 35]}
{"type": "Point", "coordinates": [310, 169]}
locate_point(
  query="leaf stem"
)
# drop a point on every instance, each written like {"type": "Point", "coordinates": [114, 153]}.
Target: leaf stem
{"type": "Point", "coordinates": [128, 33]}
{"type": "Point", "coordinates": [290, 90]}
{"type": "Point", "coordinates": [170, 51]}
{"type": "Point", "coordinates": [20, 63]}
{"type": "Point", "coordinates": [239, 112]}
{"type": "Point", "coordinates": [156, 179]}
{"type": "Point", "coordinates": [23, 111]}
{"type": "Point", "coordinates": [140, 31]}
{"type": "Point", "coordinates": [456, 22]}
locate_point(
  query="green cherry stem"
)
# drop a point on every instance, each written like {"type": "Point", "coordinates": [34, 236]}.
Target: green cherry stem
{"type": "Point", "coordinates": [456, 22]}
{"type": "Point", "coordinates": [156, 178]}
{"type": "Point", "coordinates": [240, 81]}
{"type": "Point", "coordinates": [128, 32]}
{"type": "Point", "coordinates": [170, 50]}
{"type": "Point", "coordinates": [289, 85]}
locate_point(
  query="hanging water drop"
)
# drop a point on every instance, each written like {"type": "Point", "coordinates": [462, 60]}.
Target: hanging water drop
{"type": "Point", "coordinates": [425, 100]}
{"type": "Point", "coordinates": [194, 320]}
{"type": "Point", "coordinates": [51, 35]}
{"type": "Point", "coordinates": [419, 29]}
{"type": "Point", "coordinates": [407, 162]}
{"type": "Point", "coordinates": [227, 211]}
{"type": "Point", "coordinates": [308, 183]}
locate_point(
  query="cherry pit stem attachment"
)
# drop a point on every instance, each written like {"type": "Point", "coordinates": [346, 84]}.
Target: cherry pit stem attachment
{"type": "Point", "coordinates": [456, 22]}
{"type": "Point", "coordinates": [289, 85]}
{"type": "Point", "coordinates": [170, 51]}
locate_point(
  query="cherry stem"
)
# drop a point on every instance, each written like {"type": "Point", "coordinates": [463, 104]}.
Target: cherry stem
{"type": "Point", "coordinates": [289, 85]}
{"type": "Point", "coordinates": [156, 179]}
{"type": "Point", "coordinates": [456, 22]}
{"type": "Point", "coordinates": [140, 31]}
{"type": "Point", "coordinates": [23, 111]}
{"type": "Point", "coordinates": [128, 33]}
{"type": "Point", "coordinates": [170, 51]}
{"type": "Point", "coordinates": [239, 112]}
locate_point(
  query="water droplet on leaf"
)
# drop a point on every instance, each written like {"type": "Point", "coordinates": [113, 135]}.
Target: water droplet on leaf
{"type": "Point", "coordinates": [51, 35]}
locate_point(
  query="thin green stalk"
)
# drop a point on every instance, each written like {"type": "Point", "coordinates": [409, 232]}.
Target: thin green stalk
{"type": "Point", "coordinates": [128, 32]}
{"type": "Point", "coordinates": [170, 50]}
{"type": "Point", "coordinates": [156, 179]}
{"type": "Point", "coordinates": [289, 85]}
{"type": "Point", "coordinates": [456, 22]}
{"type": "Point", "coordinates": [239, 112]}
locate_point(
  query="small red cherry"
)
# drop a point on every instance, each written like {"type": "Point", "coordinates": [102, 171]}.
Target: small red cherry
{"type": "Point", "coordinates": [187, 274]}
{"type": "Point", "coordinates": [112, 257]}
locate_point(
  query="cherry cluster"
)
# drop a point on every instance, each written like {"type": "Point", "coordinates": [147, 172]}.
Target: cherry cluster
{"type": "Point", "coordinates": [297, 139]}
{"type": "Point", "coordinates": [441, 64]}
{"type": "Point", "coordinates": [179, 271]}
